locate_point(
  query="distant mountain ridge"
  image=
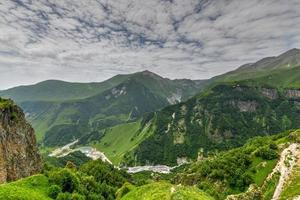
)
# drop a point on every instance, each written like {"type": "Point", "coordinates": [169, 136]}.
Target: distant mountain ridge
{"type": "Point", "coordinates": [57, 90]}
{"type": "Point", "coordinates": [263, 67]}
{"type": "Point", "coordinates": [63, 111]}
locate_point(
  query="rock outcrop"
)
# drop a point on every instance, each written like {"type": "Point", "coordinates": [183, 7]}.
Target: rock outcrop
{"type": "Point", "coordinates": [269, 93]}
{"type": "Point", "coordinates": [293, 93]}
{"type": "Point", "coordinates": [18, 150]}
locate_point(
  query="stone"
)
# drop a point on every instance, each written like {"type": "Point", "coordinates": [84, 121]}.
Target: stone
{"type": "Point", "coordinates": [19, 155]}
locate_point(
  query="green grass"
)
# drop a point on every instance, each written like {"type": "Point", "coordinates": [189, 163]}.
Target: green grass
{"type": "Point", "coordinates": [269, 188]}
{"type": "Point", "coordinates": [165, 191]}
{"type": "Point", "coordinates": [120, 139]}
{"type": "Point", "coordinates": [4, 103]}
{"type": "Point", "coordinates": [292, 188]}
{"type": "Point", "coordinates": [262, 169]}
{"type": "Point", "coordinates": [31, 188]}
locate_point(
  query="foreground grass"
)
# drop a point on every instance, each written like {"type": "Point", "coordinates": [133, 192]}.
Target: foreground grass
{"type": "Point", "coordinates": [31, 188]}
{"type": "Point", "coordinates": [165, 191]}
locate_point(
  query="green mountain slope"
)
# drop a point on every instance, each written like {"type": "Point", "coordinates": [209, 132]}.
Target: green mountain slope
{"type": "Point", "coordinates": [243, 172]}
{"type": "Point", "coordinates": [59, 122]}
{"type": "Point", "coordinates": [55, 90]}
{"type": "Point", "coordinates": [263, 67]}
{"type": "Point", "coordinates": [31, 188]}
{"type": "Point", "coordinates": [223, 118]}
{"type": "Point", "coordinates": [257, 99]}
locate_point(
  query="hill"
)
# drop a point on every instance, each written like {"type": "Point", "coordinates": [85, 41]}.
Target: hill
{"type": "Point", "coordinates": [165, 191]}
{"type": "Point", "coordinates": [263, 67]}
{"type": "Point", "coordinates": [256, 99]}
{"type": "Point", "coordinates": [248, 172]}
{"type": "Point", "coordinates": [123, 98]}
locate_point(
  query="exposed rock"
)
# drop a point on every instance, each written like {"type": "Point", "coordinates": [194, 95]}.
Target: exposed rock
{"type": "Point", "coordinates": [245, 106]}
{"type": "Point", "coordinates": [174, 98]}
{"type": "Point", "coordinates": [293, 93]}
{"type": "Point", "coordinates": [18, 151]}
{"type": "Point", "coordinates": [269, 93]}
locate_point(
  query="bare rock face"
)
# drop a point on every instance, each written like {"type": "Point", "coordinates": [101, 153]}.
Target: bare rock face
{"type": "Point", "coordinates": [269, 93]}
{"type": "Point", "coordinates": [18, 150]}
{"type": "Point", "coordinates": [293, 93]}
{"type": "Point", "coordinates": [245, 106]}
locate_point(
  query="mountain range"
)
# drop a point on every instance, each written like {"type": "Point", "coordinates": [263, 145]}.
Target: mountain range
{"type": "Point", "coordinates": [235, 136]}
{"type": "Point", "coordinates": [61, 112]}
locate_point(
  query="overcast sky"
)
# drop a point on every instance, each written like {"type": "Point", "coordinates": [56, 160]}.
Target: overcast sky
{"type": "Point", "coordinates": [92, 40]}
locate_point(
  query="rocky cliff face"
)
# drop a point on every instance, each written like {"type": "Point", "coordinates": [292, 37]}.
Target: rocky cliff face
{"type": "Point", "coordinates": [18, 151]}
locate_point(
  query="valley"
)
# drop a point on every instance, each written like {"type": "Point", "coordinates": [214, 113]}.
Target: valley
{"type": "Point", "coordinates": [233, 137]}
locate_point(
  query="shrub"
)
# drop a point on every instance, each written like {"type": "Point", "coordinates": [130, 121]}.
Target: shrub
{"type": "Point", "coordinates": [266, 153]}
{"type": "Point", "coordinates": [53, 191]}
{"type": "Point", "coordinates": [66, 179]}
{"type": "Point", "coordinates": [64, 196]}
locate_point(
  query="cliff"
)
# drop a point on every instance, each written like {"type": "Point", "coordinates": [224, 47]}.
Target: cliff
{"type": "Point", "coordinates": [18, 150]}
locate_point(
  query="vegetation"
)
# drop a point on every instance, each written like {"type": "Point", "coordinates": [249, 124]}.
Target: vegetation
{"type": "Point", "coordinates": [4, 103]}
{"type": "Point", "coordinates": [94, 180]}
{"type": "Point", "coordinates": [76, 157]}
{"type": "Point", "coordinates": [222, 118]}
{"type": "Point", "coordinates": [232, 172]}
{"type": "Point", "coordinates": [291, 188]}
{"type": "Point", "coordinates": [56, 107]}
{"type": "Point", "coordinates": [31, 188]}
{"type": "Point", "coordinates": [118, 140]}
{"type": "Point", "coordinates": [164, 190]}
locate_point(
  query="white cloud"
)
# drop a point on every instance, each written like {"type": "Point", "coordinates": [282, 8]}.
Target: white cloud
{"type": "Point", "coordinates": [92, 40]}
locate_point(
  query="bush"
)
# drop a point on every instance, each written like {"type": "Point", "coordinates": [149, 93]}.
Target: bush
{"type": "Point", "coordinates": [53, 191]}
{"type": "Point", "coordinates": [66, 179]}
{"type": "Point", "coordinates": [64, 196]}
{"type": "Point", "coordinates": [266, 153]}
{"type": "Point", "coordinates": [76, 196]}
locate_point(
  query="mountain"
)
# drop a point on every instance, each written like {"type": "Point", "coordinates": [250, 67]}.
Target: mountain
{"type": "Point", "coordinates": [264, 168]}
{"type": "Point", "coordinates": [18, 151]}
{"type": "Point", "coordinates": [61, 112]}
{"type": "Point", "coordinates": [258, 99]}
{"type": "Point", "coordinates": [263, 67]}
{"type": "Point", "coordinates": [56, 90]}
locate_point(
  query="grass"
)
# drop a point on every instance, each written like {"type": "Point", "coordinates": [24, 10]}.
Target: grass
{"type": "Point", "coordinates": [121, 139]}
{"type": "Point", "coordinates": [4, 103]}
{"type": "Point", "coordinates": [261, 168]}
{"type": "Point", "coordinates": [269, 188]}
{"type": "Point", "coordinates": [292, 188]}
{"type": "Point", "coordinates": [31, 188]}
{"type": "Point", "coordinates": [165, 191]}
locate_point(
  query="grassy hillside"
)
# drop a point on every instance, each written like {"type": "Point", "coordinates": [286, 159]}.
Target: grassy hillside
{"type": "Point", "coordinates": [94, 180]}
{"type": "Point", "coordinates": [63, 111]}
{"type": "Point", "coordinates": [222, 118]}
{"type": "Point", "coordinates": [232, 172]}
{"type": "Point", "coordinates": [292, 187]}
{"type": "Point", "coordinates": [165, 191]}
{"type": "Point", "coordinates": [31, 188]}
{"type": "Point", "coordinates": [263, 67]}
{"type": "Point", "coordinates": [55, 90]}
{"type": "Point", "coordinates": [119, 140]}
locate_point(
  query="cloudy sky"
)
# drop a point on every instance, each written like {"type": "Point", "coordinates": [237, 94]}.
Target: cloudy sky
{"type": "Point", "coordinates": [92, 40]}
